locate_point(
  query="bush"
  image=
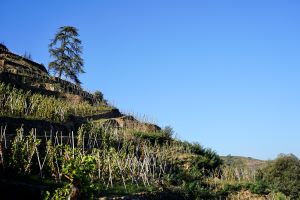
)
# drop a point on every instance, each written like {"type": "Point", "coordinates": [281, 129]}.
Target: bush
{"type": "Point", "coordinates": [209, 160]}
{"type": "Point", "coordinates": [196, 148]}
{"type": "Point", "coordinates": [152, 137]}
{"type": "Point", "coordinates": [98, 95]}
{"type": "Point", "coordinates": [196, 190]}
{"type": "Point", "coordinates": [283, 174]}
{"type": "Point", "coordinates": [206, 158]}
{"type": "Point", "coordinates": [168, 131]}
{"type": "Point", "coordinates": [260, 187]}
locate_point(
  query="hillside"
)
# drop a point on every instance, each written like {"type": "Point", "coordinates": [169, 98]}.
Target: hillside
{"type": "Point", "coordinates": [54, 135]}
{"type": "Point", "coordinates": [65, 106]}
{"type": "Point", "coordinates": [240, 161]}
{"type": "Point", "coordinates": [58, 141]}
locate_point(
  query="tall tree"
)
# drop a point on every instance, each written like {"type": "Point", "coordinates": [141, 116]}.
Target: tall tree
{"type": "Point", "coordinates": [66, 50]}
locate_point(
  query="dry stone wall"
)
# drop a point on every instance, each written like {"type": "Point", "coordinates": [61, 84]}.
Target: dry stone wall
{"type": "Point", "coordinates": [24, 71]}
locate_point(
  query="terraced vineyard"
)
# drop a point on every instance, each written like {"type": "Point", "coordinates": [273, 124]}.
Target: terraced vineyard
{"type": "Point", "coordinates": [58, 141]}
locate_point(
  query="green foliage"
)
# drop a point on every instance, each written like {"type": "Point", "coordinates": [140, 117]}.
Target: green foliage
{"type": "Point", "coordinates": [192, 181]}
{"type": "Point", "coordinates": [280, 196]}
{"type": "Point", "coordinates": [230, 188]}
{"type": "Point", "coordinates": [196, 148]}
{"type": "Point", "coordinates": [206, 158]}
{"type": "Point", "coordinates": [152, 137]}
{"type": "Point", "coordinates": [168, 131]}
{"type": "Point", "coordinates": [81, 169]}
{"type": "Point", "coordinates": [284, 175]}
{"type": "Point", "coordinates": [18, 103]}
{"type": "Point", "coordinates": [98, 95]}
{"type": "Point", "coordinates": [66, 48]}
{"type": "Point", "coordinates": [59, 193]}
{"type": "Point", "coordinates": [279, 179]}
{"type": "Point", "coordinates": [51, 160]}
{"type": "Point", "coordinates": [209, 161]}
{"type": "Point", "coordinates": [196, 190]}
{"type": "Point", "coordinates": [260, 187]}
{"type": "Point", "coordinates": [22, 150]}
{"type": "Point", "coordinates": [78, 170]}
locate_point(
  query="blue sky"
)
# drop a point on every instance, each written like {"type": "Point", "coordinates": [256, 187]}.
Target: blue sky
{"type": "Point", "coordinates": [222, 73]}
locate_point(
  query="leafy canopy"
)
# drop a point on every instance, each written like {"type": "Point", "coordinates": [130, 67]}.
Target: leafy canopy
{"type": "Point", "coordinates": [66, 50]}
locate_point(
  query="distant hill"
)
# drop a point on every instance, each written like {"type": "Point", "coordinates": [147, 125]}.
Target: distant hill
{"type": "Point", "coordinates": [240, 161]}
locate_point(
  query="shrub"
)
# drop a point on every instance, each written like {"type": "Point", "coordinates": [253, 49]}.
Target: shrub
{"type": "Point", "coordinates": [168, 131]}
{"type": "Point", "coordinates": [196, 148]}
{"type": "Point", "coordinates": [152, 137]}
{"type": "Point", "coordinates": [196, 190]}
{"type": "Point", "coordinates": [209, 160]}
{"type": "Point", "coordinates": [98, 95]}
{"type": "Point", "coordinates": [260, 187]}
{"type": "Point", "coordinates": [23, 149]}
{"type": "Point", "coordinates": [284, 175]}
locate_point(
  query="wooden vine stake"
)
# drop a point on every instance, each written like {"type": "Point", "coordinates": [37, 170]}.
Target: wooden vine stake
{"type": "Point", "coordinates": [73, 145]}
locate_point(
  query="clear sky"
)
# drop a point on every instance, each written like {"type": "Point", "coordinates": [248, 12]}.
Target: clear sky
{"type": "Point", "coordinates": [222, 73]}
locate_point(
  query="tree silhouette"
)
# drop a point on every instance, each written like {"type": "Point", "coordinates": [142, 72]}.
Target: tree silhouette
{"type": "Point", "coordinates": [3, 47]}
{"type": "Point", "coordinates": [66, 49]}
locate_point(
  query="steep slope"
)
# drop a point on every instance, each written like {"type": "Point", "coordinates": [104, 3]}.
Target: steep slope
{"type": "Point", "coordinates": [64, 105]}
{"type": "Point", "coordinates": [55, 134]}
{"type": "Point", "coordinates": [57, 140]}
{"type": "Point", "coordinates": [240, 161]}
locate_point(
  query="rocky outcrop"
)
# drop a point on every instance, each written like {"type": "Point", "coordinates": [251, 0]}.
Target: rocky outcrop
{"type": "Point", "coordinates": [129, 122]}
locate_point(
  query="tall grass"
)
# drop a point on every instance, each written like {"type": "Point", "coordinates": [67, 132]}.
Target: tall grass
{"type": "Point", "coordinates": [19, 103]}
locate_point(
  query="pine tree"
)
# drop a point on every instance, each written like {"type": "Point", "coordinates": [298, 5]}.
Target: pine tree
{"type": "Point", "coordinates": [66, 50]}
